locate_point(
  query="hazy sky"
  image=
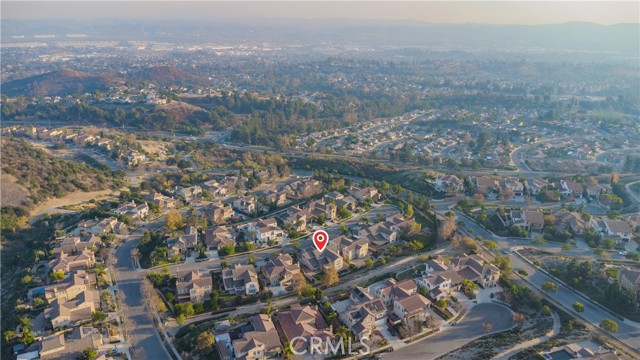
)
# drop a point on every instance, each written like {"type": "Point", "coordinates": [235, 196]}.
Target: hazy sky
{"type": "Point", "coordinates": [509, 12]}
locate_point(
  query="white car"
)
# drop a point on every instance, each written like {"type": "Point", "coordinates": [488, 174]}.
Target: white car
{"type": "Point", "coordinates": [623, 253]}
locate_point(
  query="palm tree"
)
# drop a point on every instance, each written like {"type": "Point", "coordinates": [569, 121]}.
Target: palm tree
{"type": "Point", "coordinates": [288, 351]}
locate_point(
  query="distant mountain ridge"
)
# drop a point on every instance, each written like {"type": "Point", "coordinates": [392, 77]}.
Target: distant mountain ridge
{"type": "Point", "coordinates": [71, 82]}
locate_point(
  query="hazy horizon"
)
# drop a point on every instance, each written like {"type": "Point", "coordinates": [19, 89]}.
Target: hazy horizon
{"type": "Point", "coordinates": [455, 12]}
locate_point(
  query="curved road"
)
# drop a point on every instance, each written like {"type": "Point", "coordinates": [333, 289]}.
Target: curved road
{"type": "Point", "coordinates": [454, 337]}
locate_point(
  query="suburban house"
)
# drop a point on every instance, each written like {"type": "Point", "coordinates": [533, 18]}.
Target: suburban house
{"type": "Point", "coordinates": [71, 347]}
{"type": "Point", "coordinates": [260, 343]}
{"type": "Point", "coordinates": [512, 186]}
{"type": "Point", "coordinates": [266, 230]}
{"type": "Point", "coordinates": [361, 313]}
{"type": "Point", "coordinates": [303, 322]}
{"type": "Point", "coordinates": [218, 213]}
{"type": "Point", "coordinates": [274, 197]}
{"type": "Point", "coordinates": [94, 227]}
{"type": "Point", "coordinates": [484, 185]}
{"type": "Point", "coordinates": [67, 263]}
{"type": "Point", "coordinates": [72, 285]}
{"type": "Point", "coordinates": [394, 290]}
{"type": "Point", "coordinates": [319, 207]}
{"type": "Point", "coordinates": [75, 244]}
{"type": "Point", "coordinates": [534, 186]}
{"type": "Point", "coordinates": [595, 190]}
{"type": "Point", "coordinates": [133, 210]}
{"type": "Point", "coordinates": [448, 184]}
{"type": "Point", "coordinates": [629, 279]}
{"type": "Point", "coordinates": [568, 187]}
{"type": "Point", "coordinates": [303, 188]}
{"type": "Point", "coordinates": [191, 194]}
{"type": "Point", "coordinates": [51, 346]}
{"type": "Point", "coordinates": [246, 204]}
{"type": "Point", "coordinates": [184, 243]}
{"type": "Point", "coordinates": [218, 237]}
{"type": "Point", "coordinates": [475, 269]}
{"type": "Point", "coordinates": [332, 196]}
{"type": "Point", "coordinates": [347, 202]}
{"type": "Point", "coordinates": [616, 229]}
{"type": "Point", "coordinates": [164, 202]}
{"type": "Point", "coordinates": [297, 218]}
{"type": "Point", "coordinates": [411, 307]}
{"type": "Point", "coordinates": [349, 248]}
{"type": "Point", "coordinates": [69, 312]}
{"type": "Point", "coordinates": [440, 284]}
{"type": "Point", "coordinates": [216, 189]}
{"type": "Point", "coordinates": [279, 273]}
{"type": "Point", "coordinates": [193, 285]}
{"type": "Point", "coordinates": [529, 220]}
{"type": "Point", "coordinates": [362, 194]}
{"type": "Point", "coordinates": [570, 220]}
{"type": "Point", "coordinates": [190, 238]}
{"type": "Point", "coordinates": [241, 279]}
{"type": "Point", "coordinates": [379, 234]}
{"type": "Point", "coordinates": [317, 261]}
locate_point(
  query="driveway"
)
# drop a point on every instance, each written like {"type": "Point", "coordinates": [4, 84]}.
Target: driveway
{"type": "Point", "coordinates": [454, 337]}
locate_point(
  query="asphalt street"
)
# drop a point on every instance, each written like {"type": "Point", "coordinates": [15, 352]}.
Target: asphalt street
{"type": "Point", "coordinates": [450, 338]}
{"type": "Point", "coordinates": [138, 322]}
{"type": "Point", "coordinates": [627, 332]}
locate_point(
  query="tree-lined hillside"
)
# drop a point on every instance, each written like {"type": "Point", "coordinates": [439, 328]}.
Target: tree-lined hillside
{"type": "Point", "coordinates": [45, 176]}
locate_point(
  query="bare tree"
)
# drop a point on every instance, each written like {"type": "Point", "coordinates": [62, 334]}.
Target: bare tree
{"type": "Point", "coordinates": [432, 322]}
{"type": "Point", "coordinates": [487, 327]}
{"type": "Point", "coordinates": [120, 299]}
{"type": "Point", "coordinates": [446, 229]}
{"type": "Point", "coordinates": [460, 307]}
{"type": "Point", "coordinates": [412, 327]}
{"type": "Point", "coordinates": [519, 318]}
{"type": "Point", "coordinates": [147, 290]}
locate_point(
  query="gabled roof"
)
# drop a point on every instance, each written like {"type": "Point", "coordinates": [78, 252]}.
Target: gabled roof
{"type": "Point", "coordinates": [414, 303]}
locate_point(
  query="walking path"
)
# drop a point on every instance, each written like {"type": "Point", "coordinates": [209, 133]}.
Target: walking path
{"type": "Point", "coordinates": [533, 342]}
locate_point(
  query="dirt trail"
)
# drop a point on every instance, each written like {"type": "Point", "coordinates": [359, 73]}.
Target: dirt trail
{"type": "Point", "coordinates": [52, 205]}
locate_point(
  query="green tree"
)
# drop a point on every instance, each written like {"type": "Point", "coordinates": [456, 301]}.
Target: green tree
{"type": "Point", "coordinates": [409, 212]}
{"type": "Point", "coordinates": [89, 354]}
{"type": "Point", "coordinates": [368, 263]}
{"type": "Point", "coordinates": [539, 241]}
{"type": "Point", "coordinates": [174, 221]}
{"type": "Point", "coordinates": [204, 342]}
{"type": "Point", "coordinates": [415, 246]}
{"type": "Point", "coordinates": [546, 310]}
{"type": "Point", "coordinates": [549, 286]}
{"type": "Point", "coordinates": [57, 275]}
{"type": "Point", "coordinates": [578, 306]}
{"type": "Point", "coordinates": [98, 317]}
{"type": "Point", "coordinates": [343, 212]}
{"type": "Point", "coordinates": [609, 325]}
{"type": "Point", "coordinates": [330, 276]}
{"type": "Point", "coordinates": [490, 245]}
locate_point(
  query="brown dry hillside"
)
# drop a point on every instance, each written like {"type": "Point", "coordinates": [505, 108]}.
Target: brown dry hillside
{"type": "Point", "coordinates": [59, 83]}
{"type": "Point", "coordinates": [182, 112]}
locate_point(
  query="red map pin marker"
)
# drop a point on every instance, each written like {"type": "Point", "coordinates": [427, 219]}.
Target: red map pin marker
{"type": "Point", "coordinates": [320, 239]}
